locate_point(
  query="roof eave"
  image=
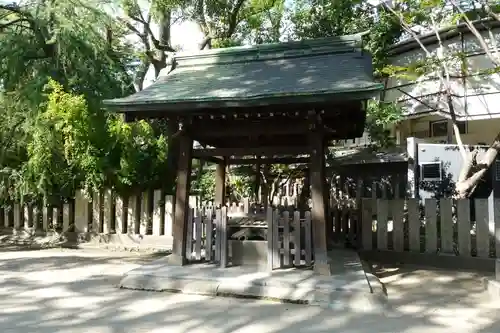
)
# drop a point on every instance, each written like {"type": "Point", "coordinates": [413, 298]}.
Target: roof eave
{"type": "Point", "coordinates": [444, 33]}
{"type": "Point", "coordinates": [182, 106]}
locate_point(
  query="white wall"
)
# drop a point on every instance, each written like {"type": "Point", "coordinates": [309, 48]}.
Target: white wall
{"type": "Point", "coordinates": [478, 131]}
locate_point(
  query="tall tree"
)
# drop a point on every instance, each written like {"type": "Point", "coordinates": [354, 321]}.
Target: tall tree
{"type": "Point", "coordinates": [80, 46]}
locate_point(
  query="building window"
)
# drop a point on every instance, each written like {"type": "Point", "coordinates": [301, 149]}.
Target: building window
{"type": "Point", "coordinates": [431, 171]}
{"type": "Point", "coordinates": [440, 127]}
{"type": "Point", "coordinates": [497, 170]}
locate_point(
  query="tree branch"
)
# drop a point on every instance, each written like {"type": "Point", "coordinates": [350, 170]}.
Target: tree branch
{"type": "Point", "coordinates": [46, 44]}
{"type": "Point", "coordinates": [233, 18]}
{"type": "Point", "coordinates": [146, 23]}
{"type": "Point", "coordinates": [8, 24]}
{"type": "Point", "coordinates": [476, 33]}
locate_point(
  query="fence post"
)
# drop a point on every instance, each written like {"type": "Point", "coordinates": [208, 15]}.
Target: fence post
{"type": "Point", "coordinates": [157, 202]}
{"type": "Point", "coordinates": [218, 234]}
{"type": "Point", "coordinates": [96, 212]}
{"type": "Point", "coordinates": [17, 216]}
{"type": "Point", "coordinates": [482, 228]}
{"type": "Point", "coordinates": [189, 234]}
{"type": "Point", "coordinates": [6, 217]}
{"type": "Point", "coordinates": [65, 224]}
{"type": "Point", "coordinates": [296, 234]}
{"type": "Point", "coordinates": [276, 244]}
{"type": "Point", "coordinates": [463, 226]}
{"type": "Point", "coordinates": [169, 215]}
{"type": "Point", "coordinates": [382, 218]}
{"type": "Point", "coordinates": [246, 205]}
{"type": "Point", "coordinates": [413, 225]}
{"type": "Point", "coordinates": [286, 238]}
{"type": "Point", "coordinates": [367, 224]}
{"type": "Point", "coordinates": [198, 220]}
{"type": "Point", "coordinates": [81, 212]}
{"type": "Point", "coordinates": [446, 225]}
{"type": "Point", "coordinates": [430, 225]}
{"type": "Point", "coordinates": [45, 218]}
{"type": "Point", "coordinates": [119, 214]}
{"type": "Point", "coordinates": [308, 246]}
{"type": "Point", "coordinates": [107, 211]}
{"type": "Point", "coordinates": [143, 223]}
{"type": "Point", "coordinates": [224, 247]}
{"type": "Point", "coordinates": [55, 217]}
{"type": "Point", "coordinates": [398, 237]}
{"type": "Point", "coordinates": [496, 206]}
{"type": "Point", "coordinates": [36, 217]}
{"type": "Point", "coordinates": [133, 207]}
{"type": "Point", "coordinates": [270, 230]}
{"type": "Point", "coordinates": [209, 234]}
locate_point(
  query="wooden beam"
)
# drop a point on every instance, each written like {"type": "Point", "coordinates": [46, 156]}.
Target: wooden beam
{"type": "Point", "coordinates": [212, 159]}
{"type": "Point", "coordinates": [271, 160]}
{"type": "Point", "coordinates": [248, 128]}
{"type": "Point", "coordinates": [245, 151]}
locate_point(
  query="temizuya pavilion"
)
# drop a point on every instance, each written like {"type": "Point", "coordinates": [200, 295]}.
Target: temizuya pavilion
{"type": "Point", "coordinates": [265, 100]}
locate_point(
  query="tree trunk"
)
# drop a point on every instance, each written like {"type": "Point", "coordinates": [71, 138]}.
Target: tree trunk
{"type": "Point", "coordinates": [473, 171]}
{"type": "Point", "coordinates": [173, 126]}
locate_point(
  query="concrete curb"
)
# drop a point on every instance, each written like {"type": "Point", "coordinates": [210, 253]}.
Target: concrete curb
{"type": "Point", "coordinates": [377, 288]}
{"type": "Point", "coordinates": [351, 300]}
{"type": "Point", "coordinates": [130, 243]}
{"type": "Point", "coordinates": [492, 286]}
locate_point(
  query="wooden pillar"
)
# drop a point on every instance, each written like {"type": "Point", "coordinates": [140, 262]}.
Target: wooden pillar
{"type": "Point", "coordinates": [178, 256]}
{"type": "Point", "coordinates": [319, 209]}
{"type": "Point", "coordinates": [265, 188]}
{"type": "Point", "coordinates": [257, 179]}
{"type": "Point", "coordinates": [220, 184]}
{"type": "Point", "coordinates": [328, 212]}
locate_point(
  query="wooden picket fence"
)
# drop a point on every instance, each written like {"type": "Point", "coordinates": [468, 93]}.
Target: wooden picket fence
{"type": "Point", "coordinates": [432, 226]}
{"type": "Point", "coordinates": [289, 239]}
{"type": "Point", "coordinates": [207, 236]}
{"type": "Point", "coordinates": [462, 228]}
{"type": "Point", "coordinates": [150, 213]}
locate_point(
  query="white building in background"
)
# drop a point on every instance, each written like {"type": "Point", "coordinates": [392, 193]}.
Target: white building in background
{"type": "Point", "coordinates": [476, 88]}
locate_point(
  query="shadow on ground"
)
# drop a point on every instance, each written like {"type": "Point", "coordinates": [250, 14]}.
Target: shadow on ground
{"type": "Point", "coordinates": [74, 291]}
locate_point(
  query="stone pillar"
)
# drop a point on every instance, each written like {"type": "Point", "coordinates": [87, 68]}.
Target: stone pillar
{"type": "Point", "coordinates": [220, 184]}
{"type": "Point", "coordinates": [181, 213]}
{"type": "Point", "coordinates": [319, 209]}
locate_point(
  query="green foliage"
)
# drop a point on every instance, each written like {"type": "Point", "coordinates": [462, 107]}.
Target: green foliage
{"type": "Point", "coordinates": [141, 152]}
{"type": "Point", "coordinates": [204, 185]}
{"type": "Point", "coordinates": [380, 116]}
{"type": "Point", "coordinates": [69, 147]}
{"type": "Point", "coordinates": [321, 18]}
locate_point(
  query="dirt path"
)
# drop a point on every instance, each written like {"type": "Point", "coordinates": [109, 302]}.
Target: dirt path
{"type": "Point", "coordinates": [74, 291]}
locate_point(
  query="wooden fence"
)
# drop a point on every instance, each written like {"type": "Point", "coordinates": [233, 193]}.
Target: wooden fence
{"type": "Point", "coordinates": [289, 239]}
{"type": "Point", "coordinates": [432, 226]}
{"type": "Point", "coordinates": [461, 228]}
{"type": "Point", "coordinates": [150, 213]}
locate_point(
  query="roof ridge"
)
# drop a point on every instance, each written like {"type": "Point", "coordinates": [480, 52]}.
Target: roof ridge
{"type": "Point", "coordinates": [309, 47]}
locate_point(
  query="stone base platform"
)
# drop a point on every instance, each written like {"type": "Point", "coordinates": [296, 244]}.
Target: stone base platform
{"type": "Point", "coordinates": [349, 287]}
{"type": "Point", "coordinates": [492, 284]}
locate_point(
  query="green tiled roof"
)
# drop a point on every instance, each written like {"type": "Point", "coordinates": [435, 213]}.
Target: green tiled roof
{"type": "Point", "coordinates": [328, 67]}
